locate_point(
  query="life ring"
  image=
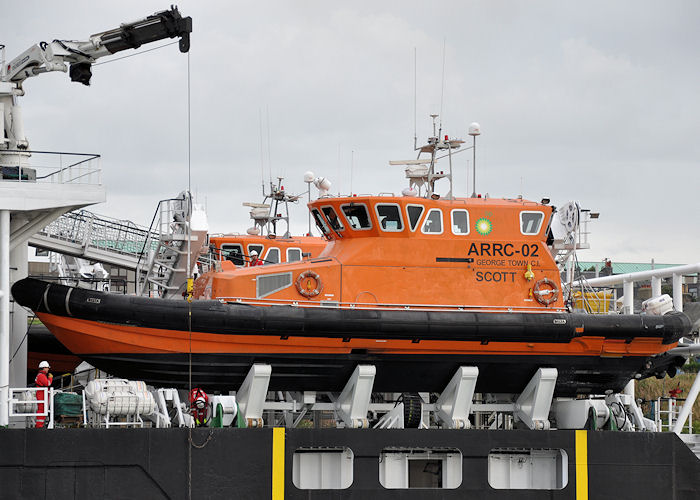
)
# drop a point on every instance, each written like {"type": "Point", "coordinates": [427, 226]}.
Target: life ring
{"type": "Point", "coordinates": [306, 289]}
{"type": "Point", "coordinates": [551, 295]}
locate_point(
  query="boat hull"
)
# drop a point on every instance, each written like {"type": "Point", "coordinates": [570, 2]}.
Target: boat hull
{"type": "Point", "coordinates": [395, 373]}
{"type": "Point", "coordinates": [317, 348]}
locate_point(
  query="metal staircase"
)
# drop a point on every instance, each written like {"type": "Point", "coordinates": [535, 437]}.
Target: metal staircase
{"type": "Point", "coordinates": [157, 254]}
{"type": "Point", "coordinates": [165, 264]}
{"type": "Point", "coordinates": [95, 238]}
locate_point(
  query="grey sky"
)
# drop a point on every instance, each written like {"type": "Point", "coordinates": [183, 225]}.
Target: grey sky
{"type": "Point", "coordinates": [595, 101]}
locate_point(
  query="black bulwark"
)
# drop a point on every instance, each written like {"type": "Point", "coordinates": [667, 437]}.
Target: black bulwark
{"type": "Point", "coordinates": [237, 463]}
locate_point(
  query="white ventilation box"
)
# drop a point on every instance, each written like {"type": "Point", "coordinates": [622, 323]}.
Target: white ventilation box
{"type": "Point", "coordinates": [658, 305]}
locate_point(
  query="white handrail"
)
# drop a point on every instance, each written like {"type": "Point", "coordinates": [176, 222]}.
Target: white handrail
{"type": "Point", "coordinates": [618, 279]}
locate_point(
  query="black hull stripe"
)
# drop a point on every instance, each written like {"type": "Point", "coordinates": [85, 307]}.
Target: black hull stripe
{"type": "Point", "coordinates": [395, 373]}
{"type": "Point", "coordinates": [233, 318]}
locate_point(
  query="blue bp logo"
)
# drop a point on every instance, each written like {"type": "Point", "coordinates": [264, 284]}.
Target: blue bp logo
{"type": "Point", "coordinates": [483, 226]}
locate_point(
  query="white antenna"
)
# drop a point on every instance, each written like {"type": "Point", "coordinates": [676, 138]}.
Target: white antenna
{"type": "Point", "coordinates": [415, 98]}
{"type": "Point", "coordinates": [442, 85]}
{"type": "Point", "coordinates": [468, 175]}
{"type": "Point", "coordinates": [474, 130]}
{"type": "Point", "coordinates": [352, 164]}
{"type": "Point", "coordinates": [339, 164]}
{"type": "Point", "coordinates": [269, 156]}
{"type": "Point", "coordinates": [262, 154]}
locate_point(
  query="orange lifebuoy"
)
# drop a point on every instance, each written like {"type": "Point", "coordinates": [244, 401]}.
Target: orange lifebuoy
{"type": "Point", "coordinates": [306, 289]}
{"type": "Point", "coordinates": [553, 294]}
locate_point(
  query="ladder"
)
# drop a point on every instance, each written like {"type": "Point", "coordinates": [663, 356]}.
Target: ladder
{"type": "Point", "coordinates": [165, 264]}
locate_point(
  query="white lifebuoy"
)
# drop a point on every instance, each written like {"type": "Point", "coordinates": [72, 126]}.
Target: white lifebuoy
{"type": "Point", "coordinates": [552, 295]}
{"type": "Point", "coordinates": [307, 291]}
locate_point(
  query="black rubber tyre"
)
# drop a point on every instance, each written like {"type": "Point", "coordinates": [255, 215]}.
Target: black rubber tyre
{"type": "Point", "coordinates": [412, 410]}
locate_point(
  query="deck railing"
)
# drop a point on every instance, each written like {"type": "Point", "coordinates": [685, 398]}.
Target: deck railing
{"type": "Point", "coordinates": [655, 276]}
{"type": "Point", "coordinates": [391, 306]}
{"type": "Point", "coordinates": [50, 167]}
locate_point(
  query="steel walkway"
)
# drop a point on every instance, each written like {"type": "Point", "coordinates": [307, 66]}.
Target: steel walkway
{"type": "Point", "coordinates": [96, 238]}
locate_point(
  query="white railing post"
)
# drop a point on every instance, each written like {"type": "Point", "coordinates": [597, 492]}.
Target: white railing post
{"type": "Point", "coordinates": [4, 317]}
{"type": "Point", "coordinates": [655, 286]}
{"type": "Point", "coordinates": [687, 405]}
{"type": "Point", "coordinates": [628, 298]}
{"type": "Point", "coordinates": [678, 292]}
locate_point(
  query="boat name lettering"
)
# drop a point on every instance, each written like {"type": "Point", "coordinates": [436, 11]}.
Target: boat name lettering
{"type": "Point", "coordinates": [559, 321]}
{"type": "Point", "coordinates": [495, 276]}
{"type": "Point", "coordinates": [93, 300]}
{"type": "Point", "coordinates": [503, 250]}
{"type": "Point", "coordinates": [491, 262]}
{"type": "Point", "coordinates": [505, 262]}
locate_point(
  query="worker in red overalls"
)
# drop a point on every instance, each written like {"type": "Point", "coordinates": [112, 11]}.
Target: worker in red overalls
{"type": "Point", "coordinates": [199, 407]}
{"type": "Point", "coordinates": [43, 379]}
{"type": "Point", "coordinates": [254, 261]}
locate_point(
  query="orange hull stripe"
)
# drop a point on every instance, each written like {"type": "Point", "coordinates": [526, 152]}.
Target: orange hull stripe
{"type": "Point", "coordinates": [89, 337]}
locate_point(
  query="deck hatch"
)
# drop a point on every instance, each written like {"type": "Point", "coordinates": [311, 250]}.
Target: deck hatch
{"type": "Point", "coordinates": [270, 283]}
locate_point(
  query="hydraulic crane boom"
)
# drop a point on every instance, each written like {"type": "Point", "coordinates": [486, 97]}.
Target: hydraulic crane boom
{"type": "Point", "coordinates": [79, 55]}
{"type": "Point", "coordinates": [54, 56]}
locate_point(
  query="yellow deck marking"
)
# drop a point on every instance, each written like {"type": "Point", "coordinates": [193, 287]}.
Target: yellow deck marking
{"type": "Point", "coordinates": [278, 463]}
{"type": "Point", "coordinates": [581, 465]}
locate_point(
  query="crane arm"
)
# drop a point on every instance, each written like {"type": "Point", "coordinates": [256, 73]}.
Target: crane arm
{"type": "Point", "coordinates": [55, 56]}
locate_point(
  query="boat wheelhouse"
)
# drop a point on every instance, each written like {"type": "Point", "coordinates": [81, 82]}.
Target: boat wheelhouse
{"type": "Point", "coordinates": [473, 253]}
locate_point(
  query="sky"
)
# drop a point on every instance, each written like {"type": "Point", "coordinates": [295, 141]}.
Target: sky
{"type": "Point", "coordinates": [596, 102]}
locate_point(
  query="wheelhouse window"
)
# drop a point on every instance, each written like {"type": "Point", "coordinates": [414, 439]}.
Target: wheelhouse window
{"type": "Point", "coordinates": [460, 221]}
{"type": "Point", "coordinates": [357, 216]}
{"type": "Point", "coordinates": [433, 222]}
{"type": "Point", "coordinates": [389, 217]}
{"type": "Point", "coordinates": [333, 219]}
{"type": "Point", "coordinates": [234, 253]}
{"type": "Point", "coordinates": [293, 254]}
{"type": "Point", "coordinates": [531, 222]}
{"type": "Point", "coordinates": [414, 212]}
{"type": "Point", "coordinates": [257, 248]}
{"type": "Point", "coordinates": [273, 256]}
{"type": "Point", "coordinates": [320, 223]}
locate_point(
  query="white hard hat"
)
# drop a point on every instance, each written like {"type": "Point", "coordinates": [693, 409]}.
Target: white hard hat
{"type": "Point", "coordinates": [253, 252]}
{"type": "Point", "coordinates": [43, 364]}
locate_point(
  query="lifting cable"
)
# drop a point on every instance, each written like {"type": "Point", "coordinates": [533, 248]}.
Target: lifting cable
{"type": "Point", "coordinates": [190, 443]}
{"type": "Point", "coordinates": [136, 54]}
{"type": "Point", "coordinates": [189, 297]}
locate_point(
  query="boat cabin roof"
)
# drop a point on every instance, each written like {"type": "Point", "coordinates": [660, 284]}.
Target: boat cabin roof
{"type": "Point", "coordinates": [399, 216]}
